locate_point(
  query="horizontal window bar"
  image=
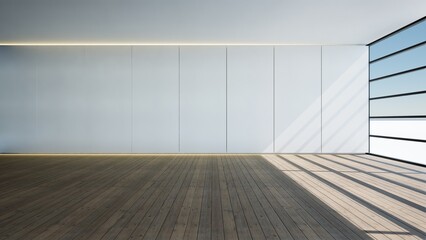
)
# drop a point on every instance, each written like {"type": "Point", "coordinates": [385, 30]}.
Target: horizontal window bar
{"type": "Point", "coordinates": [399, 138]}
{"type": "Point", "coordinates": [397, 52]}
{"type": "Point", "coordinates": [399, 95]}
{"type": "Point", "coordinates": [398, 73]}
{"type": "Point", "coordinates": [409, 116]}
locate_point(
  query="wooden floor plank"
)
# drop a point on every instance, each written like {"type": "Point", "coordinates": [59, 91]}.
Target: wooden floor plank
{"type": "Point", "coordinates": [230, 231]}
{"type": "Point", "coordinates": [381, 178]}
{"type": "Point", "coordinates": [252, 220]}
{"type": "Point", "coordinates": [200, 196]}
{"type": "Point", "coordinates": [39, 211]}
{"type": "Point", "coordinates": [163, 195]}
{"type": "Point", "coordinates": [377, 195]}
{"type": "Point", "coordinates": [366, 200]}
{"type": "Point", "coordinates": [266, 200]}
{"type": "Point", "coordinates": [256, 203]}
{"type": "Point", "coordinates": [241, 224]}
{"type": "Point", "coordinates": [191, 229]}
{"type": "Point", "coordinates": [217, 226]}
{"type": "Point", "coordinates": [295, 217]}
{"type": "Point", "coordinates": [175, 197]}
{"type": "Point", "coordinates": [204, 228]}
{"type": "Point", "coordinates": [313, 206]}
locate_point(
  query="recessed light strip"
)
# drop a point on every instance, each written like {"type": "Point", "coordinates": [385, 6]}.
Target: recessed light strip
{"type": "Point", "coordinates": [170, 44]}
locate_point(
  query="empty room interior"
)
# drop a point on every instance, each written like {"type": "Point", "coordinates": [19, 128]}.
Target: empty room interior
{"type": "Point", "coordinates": [224, 119]}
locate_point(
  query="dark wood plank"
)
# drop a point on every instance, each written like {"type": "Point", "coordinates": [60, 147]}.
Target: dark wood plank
{"type": "Point", "coordinates": [184, 212]}
{"type": "Point", "coordinates": [256, 201]}
{"type": "Point", "coordinates": [239, 217]}
{"type": "Point", "coordinates": [249, 213]}
{"type": "Point", "coordinates": [228, 221]}
{"type": "Point", "coordinates": [204, 228]}
{"type": "Point", "coordinates": [237, 196]}
{"type": "Point", "coordinates": [217, 228]}
{"type": "Point", "coordinates": [191, 229]}
{"type": "Point", "coordinates": [313, 206]}
{"type": "Point", "coordinates": [144, 216]}
{"type": "Point", "coordinates": [175, 197]}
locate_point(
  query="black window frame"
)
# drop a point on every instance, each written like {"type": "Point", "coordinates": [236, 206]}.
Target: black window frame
{"type": "Point", "coordinates": [393, 95]}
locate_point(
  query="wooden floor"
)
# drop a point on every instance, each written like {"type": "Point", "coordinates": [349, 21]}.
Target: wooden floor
{"type": "Point", "coordinates": [210, 197]}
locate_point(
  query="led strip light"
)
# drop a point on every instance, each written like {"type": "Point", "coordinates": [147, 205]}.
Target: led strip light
{"type": "Point", "coordinates": [170, 44]}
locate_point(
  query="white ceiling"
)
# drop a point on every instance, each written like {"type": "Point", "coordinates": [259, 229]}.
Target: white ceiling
{"type": "Point", "coordinates": [204, 21]}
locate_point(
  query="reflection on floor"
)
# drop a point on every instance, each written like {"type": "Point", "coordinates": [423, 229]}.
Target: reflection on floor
{"type": "Point", "coordinates": [210, 197]}
{"type": "Point", "coordinates": [383, 198]}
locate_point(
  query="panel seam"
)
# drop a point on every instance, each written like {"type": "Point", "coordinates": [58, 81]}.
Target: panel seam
{"type": "Point", "coordinates": [179, 99]}
{"type": "Point", "coordinates": [369, 100]}
{"type": "Point", "coordinates": [37, 131]}
{"type": "Point", "coordinates": [226, 99]}
{"type": "Point", "coordinates": [131, 99]}
{"type": "Point", "coordinates": [273, 99]}
{"type": "Point", "coordinates": [321, 59]}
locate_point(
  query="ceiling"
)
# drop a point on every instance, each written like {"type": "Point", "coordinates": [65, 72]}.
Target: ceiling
{"type": "Point", "coordinates": [325, 22]}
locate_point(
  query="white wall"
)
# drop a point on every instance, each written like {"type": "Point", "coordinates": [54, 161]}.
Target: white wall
{"type": "Point", "coordinates": [250, 99]}
{"type": "Point", "coordinates": [83, 99]}
{"type": "Point", "coordinates": [344, 99]}
{"type": "Point", "coordinates": [18, 121]}
{"type": "Point", "coordinates": [173, 99]}
{"type": "Point", "coordinates": [203, 99]}
{"type": "Point", "coordinates": [155, 94]}
{"type": "Point", "coordinates": [298, 99]}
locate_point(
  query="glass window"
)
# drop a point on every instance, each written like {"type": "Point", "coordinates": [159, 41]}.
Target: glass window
{"type": "Point", "coordinates": [398, 137]}
{"type": "Point", "coordinates": [406, 150]}
{"type": "Point", "coordinates": [412, 128]}
{"type": "Point", "coordinates": [413, 58]}
{"type": "Point", "coordinates": [404, 83]}
{"type": "Point", "coordinates": [403, 39]}
{"type": "Point", "coordinates": [399, 106]}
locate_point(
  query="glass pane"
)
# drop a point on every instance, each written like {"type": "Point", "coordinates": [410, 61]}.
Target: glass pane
{"type": "Point", "coordinates": [405, 150]}
{"type": "Point", "coordinates": [405, 83]}
{"type": "Point", "coordinates": [399, 106]}
{"type": "Point", "coordinates": [406, 38]}
{"type": "Point", "coordinates": [404, 128]}
{"type": "Point", "coordinates": [407, 60]}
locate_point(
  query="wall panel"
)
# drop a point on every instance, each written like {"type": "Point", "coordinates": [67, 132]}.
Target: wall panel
{"type": "Point", "coordinates": [147, 99]}
{"type": "Point", "coordinates": [109, 102]}
{"type": "Point", "coordinates": [83, 99]}
{"type": "Point", "coordinates": [298, 99]}
{"type": "Point", "coordinates": [17, 100]}
{"type": "Point", "coordinates": [345, 99]}
{"type": "Point", "coordinates": [155, 99]}
{"type": "Point", "coordinates": [203, 99]}
{"type": "Point", "coordinates": [250, 99]}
